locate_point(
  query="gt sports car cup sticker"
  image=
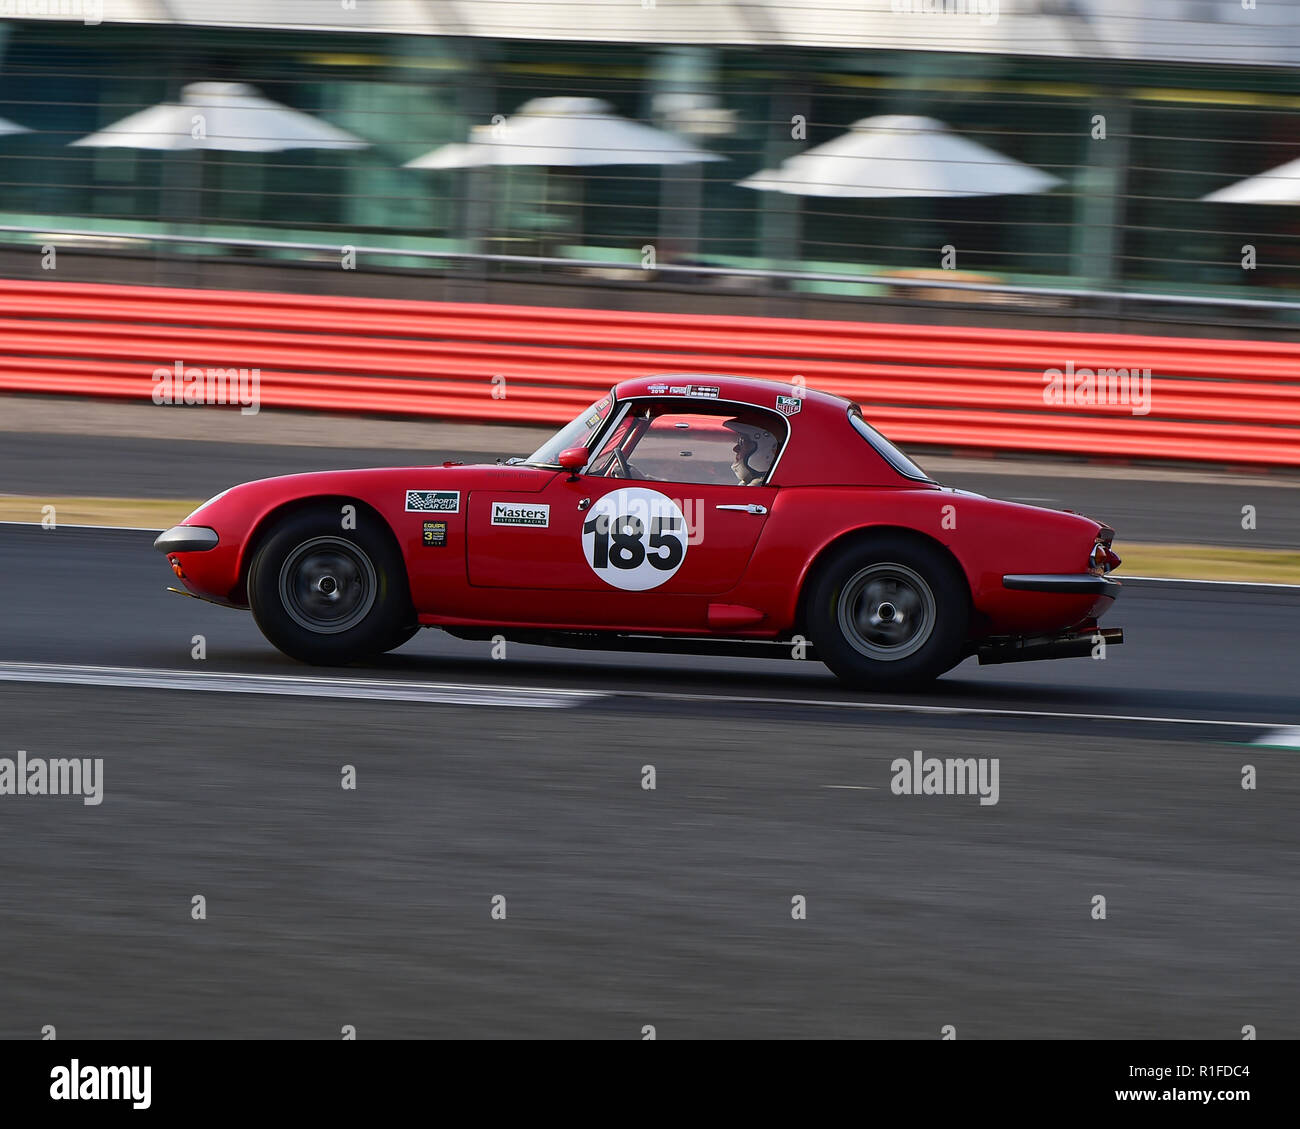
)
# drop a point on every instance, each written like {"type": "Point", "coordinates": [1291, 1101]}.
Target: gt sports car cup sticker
{"type": "Point", "coordinates": [520, 513]}
{"type": "Point", "coordinates": [433, 501]}
{"type": "Point", "coordinates": [788, 405]}
{"type": "Point", "coordinates": [635, 539]}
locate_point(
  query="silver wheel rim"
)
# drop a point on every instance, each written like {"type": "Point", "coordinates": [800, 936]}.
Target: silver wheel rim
{"type": "Point", "coordinates": [327, 585]}
{"type": "Point", "coordinates": [886, 612]}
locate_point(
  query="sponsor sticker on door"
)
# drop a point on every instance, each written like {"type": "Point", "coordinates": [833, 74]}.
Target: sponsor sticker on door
{"type": "Point", "coordinates": [433, 501]}
{"type": "Point", "coordinates": [520, 513]}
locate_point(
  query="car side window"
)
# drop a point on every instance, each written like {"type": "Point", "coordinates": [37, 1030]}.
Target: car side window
{"type": "Point", "coordinates": [726, 448]}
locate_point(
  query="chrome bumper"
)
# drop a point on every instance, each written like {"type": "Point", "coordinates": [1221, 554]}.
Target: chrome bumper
{"type": "Point", "coordinates": [1077, 584]}
{"type": "Point", "coordinates": [186, 539]}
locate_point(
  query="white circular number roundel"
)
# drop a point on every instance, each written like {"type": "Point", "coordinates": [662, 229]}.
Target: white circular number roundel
{"type": "Point", "coordinates": [634, 539]}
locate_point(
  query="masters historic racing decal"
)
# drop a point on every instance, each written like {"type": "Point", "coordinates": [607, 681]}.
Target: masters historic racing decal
{"type": "Point", "coordinates": [433, 501]}
{"type": "Point", "coordinates": [635, 539]}
{"type": "Point", "coordinates": [520, 513]}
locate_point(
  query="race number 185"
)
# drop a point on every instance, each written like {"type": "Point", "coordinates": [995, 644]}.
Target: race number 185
{"type": "Point", "coordinates": [635, 538]}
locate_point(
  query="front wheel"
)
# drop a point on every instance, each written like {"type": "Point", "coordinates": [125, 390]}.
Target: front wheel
{"type": "Point", "coordinates": [889, 611]}
{"type": "Point", "coordinates": [326, 595]}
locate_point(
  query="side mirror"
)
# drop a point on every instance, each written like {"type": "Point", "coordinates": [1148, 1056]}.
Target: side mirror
{"type": "Point", "coordinates": [573, 459]}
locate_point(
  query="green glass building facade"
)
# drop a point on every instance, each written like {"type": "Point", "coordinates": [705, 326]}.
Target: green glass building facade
{"type": "Point", "coordinates": [1127, 217]}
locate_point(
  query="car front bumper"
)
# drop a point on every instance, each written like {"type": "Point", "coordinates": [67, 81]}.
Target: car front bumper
{"type": "Point", "coordinates": [187, 539]}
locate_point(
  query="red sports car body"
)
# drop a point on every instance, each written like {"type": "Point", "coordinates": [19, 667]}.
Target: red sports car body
{"type": "Point", "coordinates": [701, 513]}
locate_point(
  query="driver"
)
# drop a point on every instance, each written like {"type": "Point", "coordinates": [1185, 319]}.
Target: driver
{"type": "Point", "coordinates": [755, 451]}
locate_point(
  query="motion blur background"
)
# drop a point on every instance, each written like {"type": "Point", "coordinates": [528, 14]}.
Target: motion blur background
{"type": "Point", "coordinates": [1197, 95]}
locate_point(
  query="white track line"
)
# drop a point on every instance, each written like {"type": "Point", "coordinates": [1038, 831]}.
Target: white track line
{"type": "Point", "coordinates": [1280, 738]}
{"type": "Point", "coordinates": [73, 525]}
{"type": "Point", "coordinates": [1189, 580]}
{"type": "Point", "coordinates": [957, 711]}
{"type": "Point", "coordinates": [298, 686]}
{"type": "Point", "coordinates": [544, 697]}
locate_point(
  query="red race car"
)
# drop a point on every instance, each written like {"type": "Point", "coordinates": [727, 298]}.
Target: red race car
{"type": "Point", "coordinates": [705, 514]}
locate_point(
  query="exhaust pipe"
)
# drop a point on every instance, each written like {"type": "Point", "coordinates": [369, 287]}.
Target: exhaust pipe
{"type": "Point", "coordinates": [1033, 647]}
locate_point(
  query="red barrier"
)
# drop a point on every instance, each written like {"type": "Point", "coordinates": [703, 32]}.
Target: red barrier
{"type": "Point", "coordinates": [1235, 402]}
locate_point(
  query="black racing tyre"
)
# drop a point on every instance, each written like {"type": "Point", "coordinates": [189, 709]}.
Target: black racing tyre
{"type": "Point", "coordinates": [888, 610]}
{"type": "Point", "coordinates": [328, 595]}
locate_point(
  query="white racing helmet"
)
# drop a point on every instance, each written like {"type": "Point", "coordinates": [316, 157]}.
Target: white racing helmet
{"type": "Point", "coordinates": [757, 452]}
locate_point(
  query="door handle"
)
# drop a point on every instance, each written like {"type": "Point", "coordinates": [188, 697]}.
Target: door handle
{"type": "Point", "coordinates": [752, 508]}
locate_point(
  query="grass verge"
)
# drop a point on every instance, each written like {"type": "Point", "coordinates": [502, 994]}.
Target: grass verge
{"type": "Point", "coordinates": [1209, 562]}
{"type": "Point", "coordinates": [143, 513]}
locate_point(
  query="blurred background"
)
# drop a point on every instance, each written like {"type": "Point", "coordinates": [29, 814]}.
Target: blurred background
{"type": "Point", "coordinates": [1103, 126]}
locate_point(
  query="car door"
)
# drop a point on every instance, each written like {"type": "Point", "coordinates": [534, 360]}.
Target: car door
{"type": "Point", "coordinates": [628, 538]}
{"type": "Point", "coordinates": [603, 534]}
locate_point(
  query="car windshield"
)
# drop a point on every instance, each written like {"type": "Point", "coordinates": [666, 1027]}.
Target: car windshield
{"type": "Point", "coordinates": [885, 449]}
{"type": "Point", "coordinates": [579, 433]}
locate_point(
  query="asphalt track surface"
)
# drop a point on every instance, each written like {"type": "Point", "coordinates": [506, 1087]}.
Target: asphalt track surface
{"type": "Point", "coordinates": [626, 907]}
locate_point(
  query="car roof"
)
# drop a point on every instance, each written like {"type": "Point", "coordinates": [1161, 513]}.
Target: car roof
{"type": "Point", "coordinates": [822, 447]}
{"type": "Point", "coordinates": [735, 389]}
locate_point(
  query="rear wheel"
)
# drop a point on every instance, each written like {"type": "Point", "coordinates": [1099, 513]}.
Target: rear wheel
{"type": "Point", "coordinates": [327, 595]}
{"type": "Point", "coordinates": [889, 611]}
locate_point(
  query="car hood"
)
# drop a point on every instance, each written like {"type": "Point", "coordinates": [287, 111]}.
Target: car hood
{"type": "Point", "coordinates": [372, 484]}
